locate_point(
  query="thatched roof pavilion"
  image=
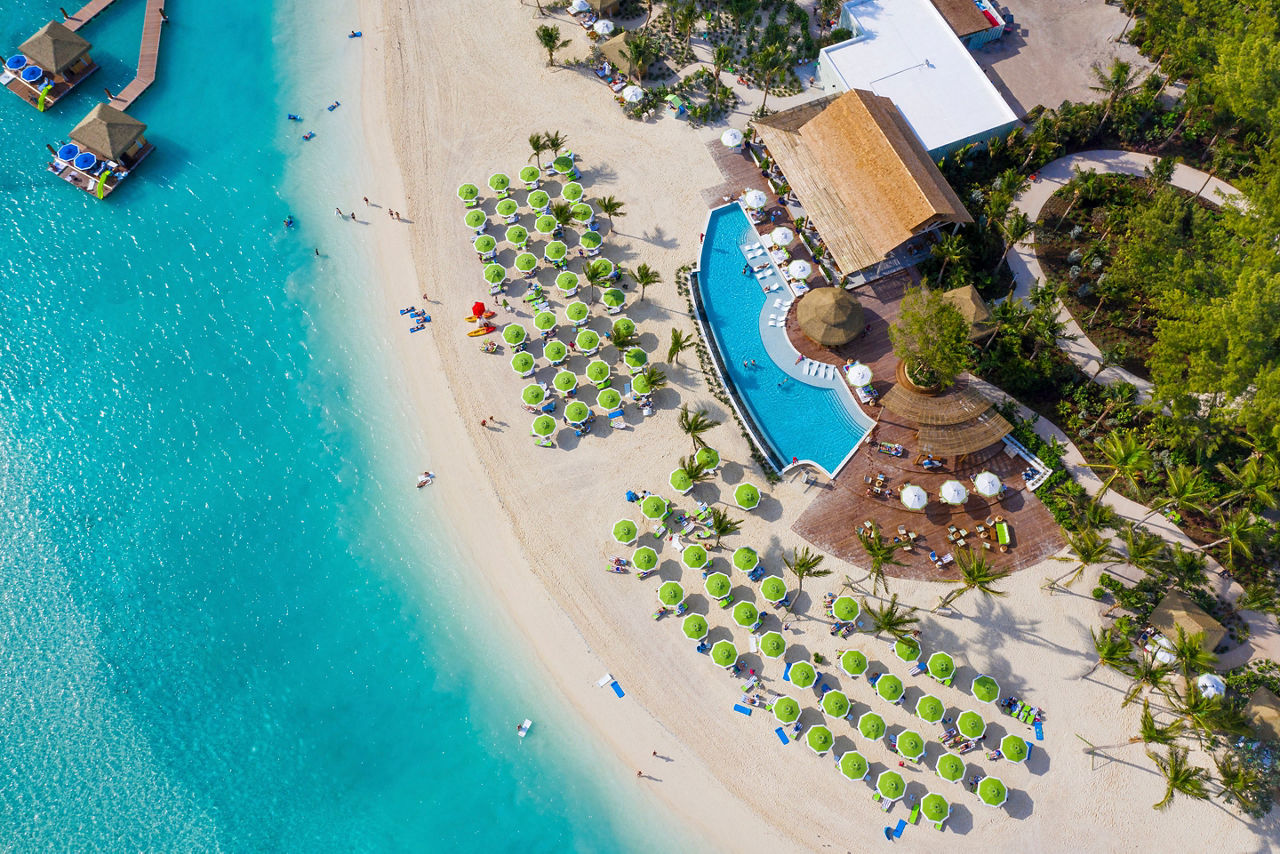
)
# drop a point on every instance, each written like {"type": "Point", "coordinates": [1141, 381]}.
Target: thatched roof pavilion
{"type": "Point", "coordinates": [1178, 610]}
{"type": "Point", "coordinates": [955, 422]}
{"type": "Point", "coordinates": [109, 133]}
{"type": "Point", "coordinates": [1263, 711]}
{"type": "Point", "coordinates": [971, 306]}
{"type": "Point", "coordinates": [830, 316]}
{"type": "Point", "coordinates": [862, 175]}
{"type": "Point", "coordinates": [615, 50]}
{"type": "Point", "coordinates": [54, 48]}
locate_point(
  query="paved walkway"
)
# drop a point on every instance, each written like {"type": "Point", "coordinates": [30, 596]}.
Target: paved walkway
{"type": "Point", "coordinates": [1026, 267]}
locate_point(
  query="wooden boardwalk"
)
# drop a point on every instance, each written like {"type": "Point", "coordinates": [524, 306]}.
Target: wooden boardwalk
{"type": "Point", "coordinates": [148, 53]}
{"type": "Point", "coordinates": [86, 13]}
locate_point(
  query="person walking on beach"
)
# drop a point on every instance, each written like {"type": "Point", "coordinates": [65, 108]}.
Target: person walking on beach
{"type": "Point", "coordinates": [353, 216]}
{"type": "Point", "coordinates": [340, 213]}
{"type": "Point", "coordinates": [366, 201]}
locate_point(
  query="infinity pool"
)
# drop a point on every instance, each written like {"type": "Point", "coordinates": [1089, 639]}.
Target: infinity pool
{"type": "Point", "coordinates": [791, 417]}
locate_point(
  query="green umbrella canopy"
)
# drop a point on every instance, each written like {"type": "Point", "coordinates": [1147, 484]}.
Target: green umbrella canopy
{"type": "Point", "coordinates": [745, 614]}
{"type": "Point", "coordinates": [724, 653]}
{"type": "Point", "coordinates": [640, 384]}
{"type": "Point", "coordinates": [819, 739]}
{"type": "Point", "coordinates": [517, 235]}
{"type": "Point", "coordinates": [1014, 748]}
{"type": "Point", "coordinates": [609, 399]}
{"type": "Point", "coordinates": [529, 174]}
{"type": "Point", "coordinates": [583, 213]}
{"type": "Point", "coordinates": [985, 689]}
{"type": "Point", "coordinates": [695, 627]}
{"type": "Point", "coordinates": [544, 321]}
{"type": "Point", "coordinates": [949, 767]}
{"type": "Point", "coordinates": [494, 273]}
{"type": "Point", "coordinates": [745, 558]}
{"type": "Point", "coordinates": [907, 650]}
{"type": "Point", "coordinates": [613, 297]}
{"type": "Point", "coordinates": [644, 559]}
{"type": "Point", "coordinates": [507, 207]}
{"type": "Point", "coordinates": [746, 496]}
{"type": "Point", "coordinates": [718, 585]}
{"type": "Point", "coordinates": [941, 666]}
{"type": "Point", "coordinates": [802, 674]}
{"type": "Point", "coordinates": [871, 726]}
{"type": "Point", "coordinates": [577, 311]}
{"type": "Point", "coordinates": [853, 662]}
{"type": "Point", "coordinates": [567, 281]}
{"type": "Point", "coordinates": [577, 412]}
{"type": "Point", "coordinates": [522, 363]}
{"type": "Point", "coordinates": [636, 358]}
{"type": "Point", "coordinates": [624, 530]}
{"type": "Point", "coordinates": [514, 333]}
{"type": "Point", "coordinates": [572, 191]}
{"type": "Point", "coordinates": [598, 370]}
{"type": "Point", "coordinates": [853, 765]}
{"type": "Point", "coordinates": [694, 557]}
{"type": "Point", "coordinates": [653, 507]}
{"type": "Point", "coordinates": [588, 340]}
{"type": "Point", "coordinates": [772, 645]}
{"type": "Point", "coordinates": [545, 425]}
{"type": "Point", "coordinates": [835, 704]}
{"type": "Point", "coordinates": [890, 785]}
{"type": "Point", "coordinates": [539, 199]}
{"type": "Point", "coordinates": [526, 262]}
{"type": "Point", "coordinates": [773, 589]}
{"type": "Point", "coordinates": [563, 163]}
{"type": "Point", "coordinates": [786, 710]}
{"type": "Point", "coordinates": [555, 251]}
{"type": "Point", "coordinates": [499, 182]}
{"type": "Point", "coordinates": [602, 266]}
{"type": "Point", "coordinates": [708, 456]}
{"type": "Point", "coordinates": [889, 687]}
{"type": "Point", "coordinates": [533, 394]}
{"type": "Point", "coordinates": [992, 791]}
{"type": "Point", "coordinates": [590, 240]}
{"type": "Point", "coordinates": [485, 243]}
{"type": "Point", "coordinates": [680, 481]}
{"type": "Point", "coordinates": [935, 808]}
{"type": "Point", "coordinates": [671, 593]}
{"type": "Point", "coordinates": [624, 326]}
{"type": "Point", "coordinates": [971, 724]}
{"type": "Point", "coordinates": [910, 744]}
{"type": "Point", "coordinates": [930, 709]}
{"type": "Point", "coordinates": [565, 381]}
{"type": "Point", "coordinates": [555, 351]}
{"type": "Point", "coordinates": [545, 224]}
{"type": "Point", "coordinates": [845, 608]}
{"type": "Point", "coordinates": [474, 218]}
{"type": "Point", "coordinates": [468, 192]}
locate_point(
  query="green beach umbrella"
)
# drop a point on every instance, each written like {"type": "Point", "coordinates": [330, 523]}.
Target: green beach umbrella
{"type": "Point", "coordinates": [745, 614]}
{"type": "Point", "coordinates": [773, 589]}
{"type": "Point", "coordinates": [624, 326]}
{"type": "Point", "coordinates": [474, 218]}
{"type": "Point", "coordinates": [971, 725]}
{"type": "Point", "coordinates": [495, 274]}
{"type": "Point", "coordinates": [588, 340]}
{"type": "Point", "coordinates": [602, 267]}
{"type": "Point", "coordinates": [533, 395]}
{"type": "Point", "coordinates": [819, 739]}
{"type": "Point", "coordinates": [609, 399]}
{"type": "Point", "coordinates": [583, 213]}
{"type": "Point", "coordinates": [746, 559]}
{"type": "Point", "coordinates": [992, 792]}
{"type": "Point", "coordinates": [644, 559]}
{"type": "Point", "coordinates": [853, 662]}
{"type": "Point", "coordinates": [889, 687]}
{"type": "Point", "coordinates": [835, 704]}
{"type": "Point", "coordinates": [1014, 748]}
{"type": "Point", "coordinates": [526, 262]}
{"type": "Point", "coordinates": [910, 744]}
{"type": "Point", "coordinates": [565, 381]}
{"type": "Point", "coordinates": [907, 650]}
{"type": "Point", "coordinates": [694, 557]}
{"type": "Point", "coordinates": [485, 243]}
{"type": "Point", "coordinates": [544, 321]}
{"type": "Point", "coordinates": [590, 240]}
{"type": "Point", "coordinates": [567, 282]}
{"type": "Point", "coordinates": [539, 200]}
{"type": "Point", "coordinates": [845, 609]}
{"type": "Point", "coordinates": [724, 653]}
{"type": "Point", "coordinates": [708, 457]}
{"type": "Point", "coordinates": [468, 192]}
{"type": "Point", "coordinates": [517, 235]}
{"type": "Point", "coordinates": [695, 627]}
{"type": "Point", "coordinates": [890, 785]}
{"type": "Point", "coordinates": [530, 174]}
{"type": "Point", "coordinates": [562, 164]}
{"type": "Point", "coordinates": [624, 530]}
{"type": "Point", "coordinates": [941, 667]}
{"type": "Point", "coordinates": [786, 710]}
{"type": "Point", "coordinates": [555, 251]}
{"type": "Point", "coordinates": [597, 370]}
{"type": "Point", "coordinates": [572, 191]}
{"type": "Point", "coordinates": [985, 689]}
{"type": "Point", "coordinates": [507, 208]}
{"type": "Point", "coordinates": [802, 674]}
{"type": "Point", "coordinates": [555, 352]}
{"type": "Point", "coordinates": [499, 182]}
{"type": "Point", "coordinates": [635, 359]}
{"type": "Point", "coordinates": [680, 481]}
{"type": "Point", "coordinates": [577, 412]}
{"type": "Point", "coordinates": [522, 363]}
{"type": "Point", "coordinates": [545, 224]}
{"type": "Point", "coordinates": [613, 298]}
{"type": "Point", "coordinates": [577, 312]}
{"type": "Point", "coordinates": [653, 507]}
{"type": "Point", "coordinates": [514, 333]}
{"type": "Point", "coordinates": [746, 496]}
{"type": "Point", "coordinates": [544, 426]}
{"type": "Point", "coordinates": [871, 725]}
{"type": "Point", "coordinates": [772, 645]}
{"type": "Point", "coordinates": [671, 593]}
{"type": "Point", "coordinates": [640, 385]}
{"type": "Point", "coordinates": [718, 585]}
{"type": "Point", "coordinates": [935, 808]}
{"type": "Point", "coordinates": [949, 767]}
{"type": "Point", "coordinates": [853, 765]}
{"type": "Point", "coordinates": [930, 709]}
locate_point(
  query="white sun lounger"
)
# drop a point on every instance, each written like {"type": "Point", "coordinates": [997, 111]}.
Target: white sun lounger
{"type": "Point", "coordinates": [773, 320]}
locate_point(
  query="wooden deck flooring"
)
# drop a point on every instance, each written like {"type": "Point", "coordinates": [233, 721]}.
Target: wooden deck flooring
{"type": "Point", "coordinates": [86, 13]}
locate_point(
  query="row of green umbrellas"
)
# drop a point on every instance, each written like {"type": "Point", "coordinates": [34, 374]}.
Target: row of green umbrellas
{"type": "Point", "coordinates": [500, 183]}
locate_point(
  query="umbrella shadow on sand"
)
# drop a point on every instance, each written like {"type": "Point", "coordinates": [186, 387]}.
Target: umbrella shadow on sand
{"type": "Point", "coordinates": [669, 570]}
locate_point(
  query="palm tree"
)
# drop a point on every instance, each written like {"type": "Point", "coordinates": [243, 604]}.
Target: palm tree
{"type": "Point", "coordinates": [1179, 777]}
{"type": "Point", "coordinates": [641, 50]}
{"type": "Point", "coordinates": [769, 64]}
{"type": "Point", "coordinates": [951, 248]}
{"type": "Point", "coordinates": [539, 145]}
{"type": "Point", "coordinates": [549, 38]}
{"type": "Point", "coordinates": [1147, 673]}
{"type": "Point", "coordinates": [1193, 658]}
{"type": "Point", "coordinates": [625, 340]}
{"type": "Point", "coordinates": [1241, 784]}
{"type": "Point", "coordinates": [595, 278]}
{"type": "Point", "coordinates": [880, 552]}
{"type": "Point", "coordinates": [891, 618]}
{"type": "Point", "coordinates": [1254, 483]}
{"type": "Point", "coordinates": [695, 423]}
{"type": "Point", "coordinates": [1153, 733]}
{"type": "Point", "coordinates": [1185, 488]}
{"type": "Point", "coordinates": [1208, 715]}
{"type": "Point", "coordinates": [680, 342]}
{"type": "Point", "coordinates": [1237, 533]}
{"type": "Point", "coordinates": [804, 564]}
{"type": "Point", "coordinates": [694, 470]}
{"type": "Point", "coordinates": [1125, 457]}
{"type": "Point", "coordinates": [683, 17]}
{"type": "Point", "coordinates": [612, 208]}
{"type": "Point", "coordinates": [1089, 548]}
{"type": "Point", "coordinates": [562, 212]}
{"type": "Point", "coordinates": [644, 275]}
{"type": "Point", "coordinates": [1142, 549]}
{"type": "Point", "coordinates": [1112, 649]}
{"type": "Point", "coordinates": [654, 376]}
{"type": "Point", "coordinates": [1186, 569]}
{"type": "Point", "coordinates": [555, 141]}
{"type": "Point", "coordinates": [1115, 82]}
{"type": "Point", "coordinates": [720, 57]}
{"type": "Point", "coordinates": [722, 525]}
{"type": "Point", "coordinates": [976, 573]}
{"type": "Point", "coordinates": [1014, 228]}
{"type": "Point", "coordinates": [1257, 597]}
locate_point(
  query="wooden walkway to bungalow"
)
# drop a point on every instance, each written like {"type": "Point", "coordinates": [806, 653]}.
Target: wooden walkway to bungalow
{"type": "Point", "coordinates": [86, 13]}
{"type": "Point", "coordinates": [148, 53]}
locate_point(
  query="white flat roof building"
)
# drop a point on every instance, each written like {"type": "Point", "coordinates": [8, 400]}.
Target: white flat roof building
{"type": "Point", "coordinates": [906, 51]}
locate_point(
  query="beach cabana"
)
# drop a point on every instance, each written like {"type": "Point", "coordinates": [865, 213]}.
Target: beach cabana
{"type": "Point", "coordinates": [49, 65]}
{"type": "Point", "coordinates": [973, 309]}
{"type": "Point", "coordinates": [616, 51]}
{"type": "Point", "coordinates": [111, 145]}
{"type": "Point", "coordinates": [1178, 610]}
{"type": "Point", "coordinates": [1263, 712]}
{"type": "Point", "coordinates": [830, 317]}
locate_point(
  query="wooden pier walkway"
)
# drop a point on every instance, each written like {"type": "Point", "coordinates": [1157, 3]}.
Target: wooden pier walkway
{"type": "Point", "coordinates": [86, 13]}
{"type": "Point", "coordinates": [148, 53]}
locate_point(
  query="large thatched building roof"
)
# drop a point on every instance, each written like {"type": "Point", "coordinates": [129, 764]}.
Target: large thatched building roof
{"type": "Point", "coordinates": [860, 172]}
{"type": "Point", "coordinates": [108, 131]}
{"type": "Point", "coordinates": [54, 48]}
{"type": "Point", "coordinates": [829, 316]}
{"type": "Point", "coordinates": [957, 421]}
{"type": "Point", "coordinates": [1177, 609]}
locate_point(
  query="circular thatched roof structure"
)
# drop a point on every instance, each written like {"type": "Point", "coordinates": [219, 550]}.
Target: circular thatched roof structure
{"type": "Point", "coordinates": [830, 316]}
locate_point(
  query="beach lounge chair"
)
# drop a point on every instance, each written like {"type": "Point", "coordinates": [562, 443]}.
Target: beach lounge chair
{"type": "Point", "coordinates": [727, 602]}
{"type": "Point", "coordinates": [1002, 533]}
{"type": "Point", "coordinates": [915, 813]}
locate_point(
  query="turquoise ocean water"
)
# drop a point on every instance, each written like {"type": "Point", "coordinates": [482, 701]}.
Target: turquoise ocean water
{"type": "Point", "coordinates": [227, 621]}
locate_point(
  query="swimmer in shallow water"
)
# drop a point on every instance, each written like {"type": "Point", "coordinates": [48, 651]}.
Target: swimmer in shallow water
{"type": "Point", "coordinates": [425, 479]}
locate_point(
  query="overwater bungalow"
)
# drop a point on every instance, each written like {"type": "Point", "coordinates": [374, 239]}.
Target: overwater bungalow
{"type": "Point", "coordinates": [48, 65]}
{"type": "Point", "coordinates": [104, 149]}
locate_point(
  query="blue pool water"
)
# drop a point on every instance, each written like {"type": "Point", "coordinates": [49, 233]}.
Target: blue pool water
{"type": "Point", "coordinates": [794, 419]}
{"type": "Point", "coordinates": [227, 621]}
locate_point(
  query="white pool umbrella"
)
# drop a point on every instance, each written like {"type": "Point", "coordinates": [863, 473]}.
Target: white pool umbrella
{"type": "Point", "coordinates": [1211, 685]}
{"type": "Point", "coordinates": [632, 94]}
{"type": "Point", "coordinates": [799, 269]}
{"type": "Point", "coordinates": [953, 492]}
{"type": "Point", "coordinates": [914, 497]}
{"type": "Point", "coordinates": [782, 236]}
{"type": "Point", "coordinates": [603, 27]}
{"type": "Point", "coordinates": [731, 138]}
{"type": "Point", "coordinates": [755, 199]}
{"type": "Point", "coordinates": [987, 484]}
{"type": "Point", "coordinates": [860, 375]}
{"type": "Point", "coordinates": [577, 7]}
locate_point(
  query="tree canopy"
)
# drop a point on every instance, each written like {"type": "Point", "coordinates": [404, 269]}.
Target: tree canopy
{"type": "Point", "coordinates": [931, 337]}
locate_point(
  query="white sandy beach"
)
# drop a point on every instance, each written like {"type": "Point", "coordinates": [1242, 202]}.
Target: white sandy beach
{"type": "Point", "coordinates": [452, 97]}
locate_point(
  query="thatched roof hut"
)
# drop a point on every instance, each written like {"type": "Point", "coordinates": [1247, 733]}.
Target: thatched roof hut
{"type": "Point", "coordinates": [862, 175]}
{"type": "Point", "coordinates": [963, 16]}
{"type": "Point", "coordinates": [1263, 711]}
{"type": "Point", "coordinates": [610, 8]}
{"type": "Point", "coordinates": [108, 132]}
{"type": "Point", "coordinates": [615, 50]}
{"type": "Point", "coordinates": [1178, 610]}
{"type": "Point", "coordinates": [54, 48]}
{"type": "Point", "coordinates": [829, 316]}
{"type": "Point", "coordinates": [971, 306]}
{"type": "Point", "coordinates": [954, 422]}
